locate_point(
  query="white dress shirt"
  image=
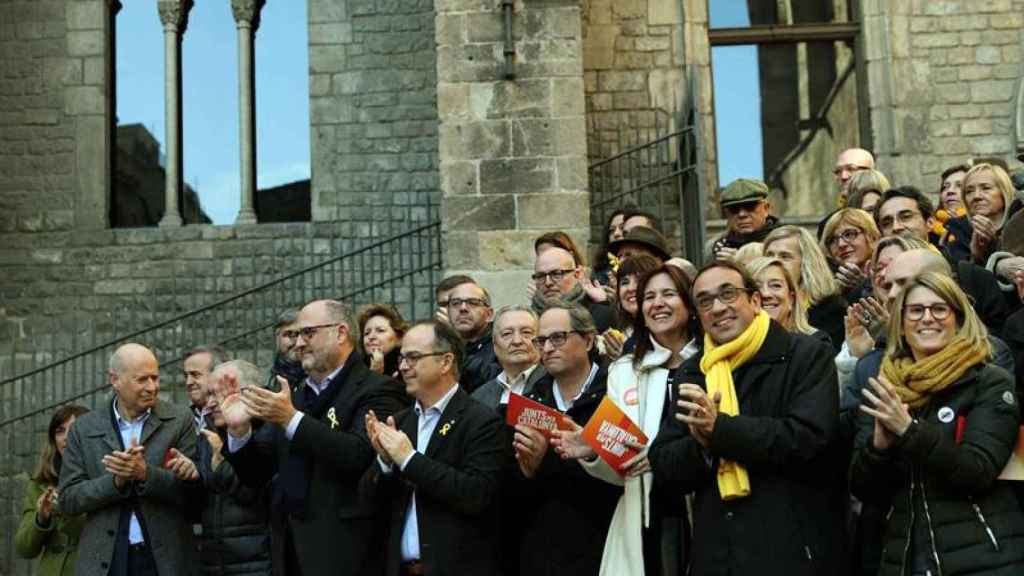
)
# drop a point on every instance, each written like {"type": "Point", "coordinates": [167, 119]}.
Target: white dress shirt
{"type": "Point", "coordinates": [564, 406]}
{"type": "Point", "coordinates": [131, 430]}
{"type": "Point", "coordinates": [517, 385]}
{"type": "Point", "coordinates": [426, 422]}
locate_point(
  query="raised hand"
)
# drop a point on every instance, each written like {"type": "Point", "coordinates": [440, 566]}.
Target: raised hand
{"type": "Point", "coordinates": [530, 446]}
{"type": "Point", "coordinates": [273, 407]}
{"type": "Point", "coordinates": [613, 342]}
{"type": "Point", "coordinates": [569, 444]}
{"type": "Point", "coordinates": [858, 339]}
{"type": "Point", "coordinates": [377, 360]}
{"type": "Point", "coordinates": [592, 287]}
{"type": "Point", "coordinates": [849, 275]}
{"type": "Point", "coordinates": [45, 505]}
{"type": "Point", "coordinates": [698, 412]}
{"type": "Point", "coordinates": [216, 447]}
{"type": "Point", "coordinates": [182, 466]}
{"type": "Point", "coordinates": [984, 232]}
{"type": "Point", "coordinates": [892, 416]}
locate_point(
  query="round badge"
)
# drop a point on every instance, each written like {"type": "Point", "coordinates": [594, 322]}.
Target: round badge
{"type": "Point", "coordinates": [631, 397]}
{"type": "Point", "coordinates": [946, 414]}
{"type": "Point", "coordinates": [1008, 397]}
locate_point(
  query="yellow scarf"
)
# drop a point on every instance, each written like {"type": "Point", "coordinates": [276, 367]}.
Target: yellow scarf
{"type": "Point", "coordinates": [915, 382]}
{"type": "Point", "coordinates": [717, 365]}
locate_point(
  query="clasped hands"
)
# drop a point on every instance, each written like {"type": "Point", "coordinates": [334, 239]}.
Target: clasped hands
{"type": "Point", "coordinates": [698, 412]}
{"type": "Point", "coordinates": [240, 404]}
{"type": "Point", "coordinates": [569, 444]}
{"type": "Point", "coordinates": [130, 465]}
{"type": "Point", "coordinates": [390, 443]}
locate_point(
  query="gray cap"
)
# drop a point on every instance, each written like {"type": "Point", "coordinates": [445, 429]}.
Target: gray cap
{"type": "Point", "coordinates": [743, 191]}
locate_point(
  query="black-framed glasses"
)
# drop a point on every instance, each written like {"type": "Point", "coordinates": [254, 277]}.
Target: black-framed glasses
{"type": "Point", "coordinates": [290, 334]}
{"type": "Point", "coordinates": [848, 168]}
{"type": "Point", "coordinates": [471, 302]}
{"type": "Point", "coordinates": [557, 339]}
{"type": "Point", "coordinates": [309, 331]}
{"type": "Point", "coordinates": [554, 275]}
{"type": "Point", "coordinates": [412, 358]}
{"type": "Point", "coordinates": [727, 295]}
{"type": "Point", "coordinates": [734, 209]}
{"type": "Point", "coordinates": [904, 217]}
{"type": "Point", "coordinates": [939, 311]}
{"type": "Point", "coordinates": [850, 236]}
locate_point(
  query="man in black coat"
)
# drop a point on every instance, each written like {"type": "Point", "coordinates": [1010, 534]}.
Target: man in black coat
{"type": "Point", "coordinates": [561, 502]}
{"type": "Point", "coordinates": [318, 447]}
{"type": "Point", "coordinates": [557, 275]}
{"type": "Point", "coordinates": [438, 466]}
{"type": "Point", "coordinates": [470, 314]}
{"type": "Point", "coordinates": [783, 435]}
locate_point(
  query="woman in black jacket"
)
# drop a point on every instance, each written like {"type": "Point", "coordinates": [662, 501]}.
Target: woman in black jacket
{"type": "Point", "coordinates": [938, 426]}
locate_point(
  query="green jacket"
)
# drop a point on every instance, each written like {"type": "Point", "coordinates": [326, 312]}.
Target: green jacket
{"type": "Point", "coordinates": [56, 546]}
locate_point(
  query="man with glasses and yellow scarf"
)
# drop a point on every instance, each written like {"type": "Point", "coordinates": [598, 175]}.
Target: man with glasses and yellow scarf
{"type": "Point", "coordinates": [753, 439]}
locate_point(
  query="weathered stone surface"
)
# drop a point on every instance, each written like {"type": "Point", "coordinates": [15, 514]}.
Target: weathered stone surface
{"type": "Point", "coordinates": [505, 176]}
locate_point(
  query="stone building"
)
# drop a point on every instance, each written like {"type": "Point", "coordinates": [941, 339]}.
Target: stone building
{"type": "Point", "coordinates": [416, 103]}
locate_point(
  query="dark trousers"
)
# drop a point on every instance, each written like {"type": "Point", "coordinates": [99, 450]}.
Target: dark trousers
{"type": "Point", "coordinates": [138, 561]}
{"type": "Point", "coordinates": [292, 566]}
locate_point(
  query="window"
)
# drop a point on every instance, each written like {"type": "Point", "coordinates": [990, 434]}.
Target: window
{"type": "Point", "coordinates": [785, 94]}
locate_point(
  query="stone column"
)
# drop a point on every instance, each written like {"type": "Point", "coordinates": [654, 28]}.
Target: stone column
{"type": "Point", "coordinates": [174, 17]}
{"type": "Point", "coordinates": [247, 19]}
{"type": "Point", "coordinates": [513, 153]}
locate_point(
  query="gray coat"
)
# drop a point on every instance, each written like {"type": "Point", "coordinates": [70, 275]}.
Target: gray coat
{"type": "Point", "coordinates": [86, 488]}
{"type": "Point", "coordinates": [490, 393]}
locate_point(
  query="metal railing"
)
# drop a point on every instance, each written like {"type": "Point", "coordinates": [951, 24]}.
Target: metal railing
{"type": "Point", "coordinates": [401, 269]}
{"type": "Point", "coordinates": [649, 160]}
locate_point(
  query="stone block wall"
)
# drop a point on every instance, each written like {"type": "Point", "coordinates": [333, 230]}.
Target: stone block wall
{"type": "Point", "coordinates": [513, 153]}
{"type": "Point", "coordinates": [373, 105]}
{"type": "Point", "coordinates": [944, 79]}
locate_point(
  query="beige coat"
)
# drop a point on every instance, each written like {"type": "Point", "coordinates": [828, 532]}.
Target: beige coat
{"type": "Point", "coordinates": [623, 549]}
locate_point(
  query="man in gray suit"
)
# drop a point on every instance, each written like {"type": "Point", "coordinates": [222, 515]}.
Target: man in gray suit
{"type": "Point", "coordinates": [513, 333]}
{"type": "Point", "coordinates": [123, 469]}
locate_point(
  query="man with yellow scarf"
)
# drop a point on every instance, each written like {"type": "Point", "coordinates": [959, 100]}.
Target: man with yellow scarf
{"type": "Point", "coordinates": [753, 438]}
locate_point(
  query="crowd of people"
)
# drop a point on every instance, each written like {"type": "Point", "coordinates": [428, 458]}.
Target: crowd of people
{"type": "Point", "coordinates": [838, 401]}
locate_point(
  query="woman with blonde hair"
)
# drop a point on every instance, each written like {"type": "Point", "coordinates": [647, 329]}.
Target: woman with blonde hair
{"type": "Point", "coordinates": [865, 190]}
{"type": "Point", "coordinates": [780, 295]}
{"type": "Point", "coordinates": [937, 427]}
{"type": "Point", "coordinates": [799, 252]}
{"type": "Point", "coordinates": [988, 194]}
{"type": "Point", "coordinates": [44, 532]}
{"type": "Point", "coordinates": [849, 238]}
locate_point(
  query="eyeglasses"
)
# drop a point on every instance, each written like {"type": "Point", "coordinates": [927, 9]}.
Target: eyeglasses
{"type": "Point", "coordinates": [850, 236]}
{"type": "Point", "coordinates": [557, 339]}
{"type": "Point", "coordinates": [471, 302]}
{"type": "Point", "coordinates": [848, 168]}
{"type": "Point", "coordinates": [904, 217]}
{"type": "Point", "coordinates": [442, 304]}
{"type": "Point", "coordinates": [734, 209]}
{"type": "Point", "coordinates": [289, 334]}
{"type": "Point", "coordinates": [726, 295]}
{"type": "Point", "coordinates": [412, 358]}
{"type": "Point", "coordinates": [308, 332]}
{"type": "Point", "coordinates": [554, 275]}
{"type": "Point", "coordinates": [915, 312]}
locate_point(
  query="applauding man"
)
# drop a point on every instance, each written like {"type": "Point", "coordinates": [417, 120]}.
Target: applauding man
{"type": "Point", "coordinates": [438, 465]}
{"type": "Point", "coordinates": [318, 446]}
{"type": "Point", "coordinates": [754, 438]}
{"type": "Point", "coordinates": [127, 468]}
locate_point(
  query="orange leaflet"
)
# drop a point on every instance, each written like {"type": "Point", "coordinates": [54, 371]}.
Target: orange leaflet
{"type": "Point", "coordinates": [609, 431]}
{"type": "Point", "coordinates": [522, 410]}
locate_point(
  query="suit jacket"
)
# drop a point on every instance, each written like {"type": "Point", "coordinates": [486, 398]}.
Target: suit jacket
{"type": "Point", "coordinates": [490, 393]}
{"type": "Point", "coordinates": [457, 484]}
{"type": "Point", "coordinates": [86, 488]}
{"type": "Point", "coordinates": [335, 534]}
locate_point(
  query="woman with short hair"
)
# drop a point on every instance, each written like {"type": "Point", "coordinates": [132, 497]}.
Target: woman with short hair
{"type": "Point", "coordinates": [849, 238]}
{"type": "Point", "coordinates": [937, 427]}
{"type": "Point", "coordinates": [44, 532]}
{"type": "Point", "coordinates": [780, 296]}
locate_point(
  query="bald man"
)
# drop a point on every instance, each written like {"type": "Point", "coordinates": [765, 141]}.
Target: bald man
{"type": "Point", "coordinates": [123, 470]}
{"type": "Point", "coordinates": [849, 162]}
{"type": "Point", "coordinates": [318, 448]}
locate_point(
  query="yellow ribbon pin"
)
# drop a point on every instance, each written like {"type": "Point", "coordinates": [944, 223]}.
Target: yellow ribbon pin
{"type": "Point", "coordinates": [333, 418]}
{"type": "Point", "coordinates": [447, 426]}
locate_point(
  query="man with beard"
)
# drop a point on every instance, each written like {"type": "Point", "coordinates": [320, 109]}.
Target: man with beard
{"type": "Point", "coordinates": [286, 358]}
{"type": "Point", "coordinates": [558, 276]}
{"type": "Point", "coordinates": [747, 211]}
{"type": "Point", "coordinates": [470, 313]}
{"type": "Point", "coordinates": [198, 365]}
{"type": "Point", "coordinates": [318, 444]}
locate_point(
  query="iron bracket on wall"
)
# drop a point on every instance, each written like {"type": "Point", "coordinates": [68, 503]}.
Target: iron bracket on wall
{"type": "Point", "coordinates": [507, 7]}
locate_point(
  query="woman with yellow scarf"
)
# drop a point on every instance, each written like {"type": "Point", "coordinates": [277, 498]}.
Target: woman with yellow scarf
{"type": "Point", "coordinates": [938, 426]}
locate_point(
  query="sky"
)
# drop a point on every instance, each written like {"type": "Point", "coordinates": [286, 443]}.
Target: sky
{"type": "Point", "coordinates": [210, 94]}
{"type": "Point", "coordinates": [737, 98]}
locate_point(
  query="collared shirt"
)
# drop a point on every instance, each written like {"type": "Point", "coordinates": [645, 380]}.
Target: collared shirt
{"type": "Point", "coordinates": [562, 405]}
{"type": "Point", "coordinates": [131, 430]}
{"type": "Point", "coordinates": [517, 385]}
{"type": "Point", "coordinates": [426, 422]}
{"type": "Point", "coordinates": [234, 445]}
{"type": "Point", "coordinates": [199, 417]}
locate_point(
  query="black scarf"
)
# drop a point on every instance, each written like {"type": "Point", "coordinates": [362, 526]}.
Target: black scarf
{"type": "Point", "coordinates": [296, 471]}
{"type": "Point", "coordinates": [735, 240]}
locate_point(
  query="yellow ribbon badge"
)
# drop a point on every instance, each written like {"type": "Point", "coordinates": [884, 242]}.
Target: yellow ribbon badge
{"type": "Point", "coordinates": [447, 426]}
{"type": "Point", "coordinates": [333, 418]}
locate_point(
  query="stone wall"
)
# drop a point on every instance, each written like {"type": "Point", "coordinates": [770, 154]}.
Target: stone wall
{"type": "Point", "coordinates": [513, 153]}
{"type": "Point", "coordinates": [943, 83]}
{"type": "Point", "coordinates": [373, 104]}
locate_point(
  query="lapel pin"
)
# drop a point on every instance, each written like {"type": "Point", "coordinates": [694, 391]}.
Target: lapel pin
{"type": "Point", "coordinates": [333, 418]}
{"type": "Point", "coordinates": [447, 426]}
